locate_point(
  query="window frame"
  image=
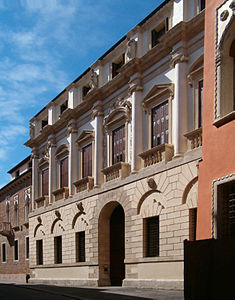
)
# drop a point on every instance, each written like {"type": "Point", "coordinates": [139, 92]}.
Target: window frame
{"type": "Point", "coordinates": [16, 210]}
{"type": "Point", "coordinates": [39, 254]}
{"type": "Point", "coordinates": [79, 254]}
{"type": "Point", "coordinates": [26, 247]}
{"type": "Point", "coordinates": [116, 130]}
{"type": "Point", "coordinates": [42, 172]}
{"type": "Point", "coordinates": [87, 164]}
{"type": "Point", "coordinates": [58, 252]}
{"type": "Point", "coordinates": [148, 238]}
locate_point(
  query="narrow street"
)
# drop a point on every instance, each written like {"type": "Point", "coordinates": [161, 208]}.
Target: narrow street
{"type": "Point", "coordinates": [39, 292]}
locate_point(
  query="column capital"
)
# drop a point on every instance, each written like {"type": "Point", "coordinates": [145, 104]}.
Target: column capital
{"type": "Point", "coordinates": [178, 58]}
{"type": "Point", "coordinates": [51, 142]}
{"type": "Point", "coordinates": [72, 127]}
{"type": "Point", "coordinates": [97, 110]}
{"type": "Point", "coordinates": [134, 87]}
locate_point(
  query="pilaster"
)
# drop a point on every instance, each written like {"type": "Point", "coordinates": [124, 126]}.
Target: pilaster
{"type": "Point", "coordinates": [51, 145]}
{"type": "Point", "coordinates": [35, 182]}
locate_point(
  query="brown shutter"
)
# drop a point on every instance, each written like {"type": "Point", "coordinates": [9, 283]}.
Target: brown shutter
{"type": "Point", "coordinates": [87, 161]}
{"type": "Point", "coordinates": [45, 182]}
{"type": "Point", "coordinates": [64, 172]}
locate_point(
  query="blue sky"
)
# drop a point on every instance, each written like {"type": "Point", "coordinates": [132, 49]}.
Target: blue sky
{"type": "Point", "coordinates": [44, 46]}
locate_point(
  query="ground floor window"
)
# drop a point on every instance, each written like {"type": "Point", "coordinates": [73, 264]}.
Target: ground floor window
{"type": "Point", "coordinates": [151, 236]}
{"type": "Point", "coordinates": [4, 256]}
{"type": "Point", "coordinates": [39, 252]}
{"type": "Point", "coordinates": [27, 247]}
{"type": "Point", "coordinates": [58, 249]}
{"type": "Point", "coordinates": [16, 250]}
{"type": "Point", "coordinates": [192, 223]}
{"type": "Point", "coordinates": [80, 246]}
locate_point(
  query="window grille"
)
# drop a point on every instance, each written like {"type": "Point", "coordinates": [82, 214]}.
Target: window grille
{"type": "Point", "coordinates": [160, 124]}
{"type": "Point", "coordinates": [152, 236]}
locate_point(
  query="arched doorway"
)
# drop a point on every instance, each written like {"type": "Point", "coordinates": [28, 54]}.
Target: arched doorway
{"type": "Point", "coordinates": [111, 244]}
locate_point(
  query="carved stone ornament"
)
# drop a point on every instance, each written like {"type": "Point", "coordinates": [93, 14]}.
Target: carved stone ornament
{"type": "Point", "coordinates": [57, 213]}
{"type": "Point", "coordinates": [232, 5]}
{"type": "Point", "coordinates": [178, 58]}
{"type": "Point", "coordinates": [72, 128]}
{"type": "Point", "coordinates": [224, 15]}
{"type": "Point", "coordinates": [131, 49]}
{"type": "Point", "coordinates": [31, 130]}
{"type": "Point", "coordinates": [121, 102]}
{"type": "Point", "coordinates": [152, 184]}
{"type": "Point", "coordinates": [80, 208]}
{"type": "Point", "coordinates": [39, 219]}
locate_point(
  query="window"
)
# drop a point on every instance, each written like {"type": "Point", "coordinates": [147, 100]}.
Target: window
{"type": "Point", "coordinates": [151, 236]}
{"type": "Point", "coordinates": [16, 250]}
{"type": "Point", "coordinates": [63, 106]}
{"type": "Point", "coordinates": [192, 223]}
{"type": "Point", "coordinates": [87, 161]}
{"type": "Point", "coordinates": [226, 210]}
{"type": "Point", "coordinates": [16, 212]}
{"type": "Point", "coordinates": [80, 246]}
{"type": "Point", "coordinates": [118, 145]}
{"type": "Point", "coordinates": [8, 210]}
{"type": "Point", "coordinates": [85, 90]}
{"type": "Point", "coordinates": [158, 32]}
{"type": "Point", "coordinates": [58, 249]}
{"type": "Point", "coordinates": [39, 252]}
{"type": "Point", "coordinates": [44, 122]}
{"type": "Point", "coordinates": [117, 64]}
{"type": "Point", "coordinates": [64, 172]}
{"type": "Point", "coordinates": [4, 254]}
{"type": "Point", "coordinates": [200, 97]}
{"type": "Point", "coordinates": [17, 173]}
{"type": "Point", "coordinates": [45, 181]}
{"type": "Point", "coordinates": [27, 248]}
{"type": "Point", "coordinates": [26, 203]}
{"type": "Point", "coordinates": [160, 124]}
{"type": "Point", "coordinates": [232, 54]}
{"type": "Point", "coordinates": [201, 5]}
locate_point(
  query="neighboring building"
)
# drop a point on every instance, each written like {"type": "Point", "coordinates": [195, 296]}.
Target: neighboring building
{"type": "Point", "coordinates": [15, 205]}
{"type": "Point", "coordinates": [115, 156]}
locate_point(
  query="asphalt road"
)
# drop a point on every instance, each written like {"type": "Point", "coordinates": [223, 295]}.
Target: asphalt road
{"type": "Point", "coordinates": [45, 292]}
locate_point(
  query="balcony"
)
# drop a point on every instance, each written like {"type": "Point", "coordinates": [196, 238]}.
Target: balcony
{"type": "Point", "coordinates": [42, 201]}
{"type": "Point", "coordinates": [119, 170]}
{"type": "Point", "coordinates": [84, 184]}
{"type": "Point", "coordinates": [5, 228]}
{"type": "Point", "coordinates": [194, 139]}
{"type": "Point", "coordinates": [62, 193]}
{"type": "Point", "coordinates": [157, 154]}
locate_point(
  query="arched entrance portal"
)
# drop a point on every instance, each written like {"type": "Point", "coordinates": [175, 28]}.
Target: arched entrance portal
{"type": "Point", "coordinates": [111, 244]}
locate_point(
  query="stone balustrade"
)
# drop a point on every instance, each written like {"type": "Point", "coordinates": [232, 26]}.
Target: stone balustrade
{"type": "Point", "coordinates": [5, 228]}
{"type": "Point", "coordinates": [84, 184]}
{"type": "Point", "coordinates": [62, 193]}
{"type": "Point", "coordinates": [42, 201]}
{"type": "Point", "coordinates": [157, 154]}
{"type": "Point", "coordinates": [194, 139]}
{"type": "Point", "coordinates": [119, 170]}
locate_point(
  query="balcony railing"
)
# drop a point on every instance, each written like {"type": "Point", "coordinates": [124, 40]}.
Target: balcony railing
{"type": "Point", "coordinates": [194, 139]}
{"type": "Point", "coordinates": [5, 228]}
{"type": "Point", "coordinates": [157, 154]}
{"type": "Point", "coordinates": [42, 201]}
{"type": "Point", "coordinates": [84, 184]}
{"type": "Point", "coordinates": [62, 193]}
{"type": "Point", "coordinates": [119, 170]}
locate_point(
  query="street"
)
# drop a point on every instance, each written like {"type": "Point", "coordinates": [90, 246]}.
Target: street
{"type": "Point", "coordinates": [38, 292]}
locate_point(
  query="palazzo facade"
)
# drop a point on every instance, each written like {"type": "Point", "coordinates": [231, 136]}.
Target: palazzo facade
{"type": "Point", "coordinates": [114, 160]}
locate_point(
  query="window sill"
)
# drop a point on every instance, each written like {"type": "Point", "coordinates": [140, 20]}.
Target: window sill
{"type": "Point", "coordinates": [225, 119]}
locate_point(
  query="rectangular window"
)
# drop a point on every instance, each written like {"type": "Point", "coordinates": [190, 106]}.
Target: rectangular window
{"type": "Point", "coordinates": [160, 124]}
{"type": "Point", "coordinates": [158, 32]}
{"type": "Point", "coordinates": [16, 250]}
{"type": "Point", "coordinates": [85, 90]}
{"type": "Point", "coordinates": [16, 210]}
{"type": "Point", "coordinates": [4, 254]}
{"type": "Point", "coordinates": [152, 236]}
{"type": "Point", "coordinates": [200, 97]}
{"type": "Point", "coordinates": [39, 252]}
{"type": "Point", "coordinates": [27, 248]}
{"type": "Point", "coordinates": [45, 182]}
{"type": "Point", "coordinates": [26, 203]}
{"type": "Point", "coordinates": [192, 224]}
{"type": "Point", "coordinates": [58, 249]}
{"type": "Point", "coordinates": [64, 172]}
{"type": "Point", "coordinates": [117, 65]}
{"type": "Point", "coordinates": [64, 106]}
{"type": "Point", "coordinates": [202, 4]}
{"type": "Point", "coordinates": [118, 147]}
{"type": "Point", "coordinates": [87, 161]}
{"type": "Point", "coordinates": [44, 122]}
{"type": "Point", "coordinates": [80, 246]}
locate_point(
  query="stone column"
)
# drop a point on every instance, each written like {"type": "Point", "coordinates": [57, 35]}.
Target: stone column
{"type": "Point", "coordinates": [34, 177]}
{"type": "Point", "coordinates": [98, 151]}
{"type": "Point", "coordinates": [52, 166]}
{"type": "Point", "coordinates": [72, 163]}
{"type": "Point", "coordinates": [135, 90]}
{"type": "Point", "coordinates": [179, 105]}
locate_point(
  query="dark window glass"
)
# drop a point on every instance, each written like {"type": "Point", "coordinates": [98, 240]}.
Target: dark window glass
{"type": "Point", "coordinates": [63, 107]}
{"type": "Point", "coordinates": [44, 123]}
{"type": "Point", "coordinates": [64, 172]}
{"type": "Point", "coordinates": [116, 66]}
{"type": "Point", "coordinates": [85, 90]}
{"type": "Point", "coordinates": [87, 161]}
{"type": "Point", "coordinates": [16, 250]}
{"type": "Point", "coordinates": [202, 4]}
{"type": "Point", "coordinates": [27, 247]}
{"type": "Point", "coordinates": [160, 124]}
{"type": "Point", "coordinates": [118, 145]}
{"type": "Point", "coordinates": [39, 252]}
{"type": "Point", "coordinates": [152, 236]}
{"type": "Point", "coordinates": [58, 249]}
{"type": "Point", "coordinates": [156, 34]}
{"type": "Point", "coordinates": [200, 97]}
{"type": "Point", "coordinates": [80, 246]}
{"type": "Point", "coordinates": [45, 182]}
{"type": "Point", "coordinates": [4, 253]}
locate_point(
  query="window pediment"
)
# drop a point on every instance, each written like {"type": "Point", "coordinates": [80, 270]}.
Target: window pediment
{"type": "Point", "coordinates": [158, 91]}
{"type": "Point", "coordinates": [85, 137]}
{"type": "Point", "coordinates": [61, 151]}
{"type": "Point", "coordinates": [44, 161]}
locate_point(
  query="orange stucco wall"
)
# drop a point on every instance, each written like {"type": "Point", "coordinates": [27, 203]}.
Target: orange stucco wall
{"type": "Point", "coordinates": [218, 151]}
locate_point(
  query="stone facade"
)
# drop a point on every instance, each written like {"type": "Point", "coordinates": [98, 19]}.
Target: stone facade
{"type": "Point", "coordinates": [152, 178]}
{"type": "Point", "coordinates": [15, 203]}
